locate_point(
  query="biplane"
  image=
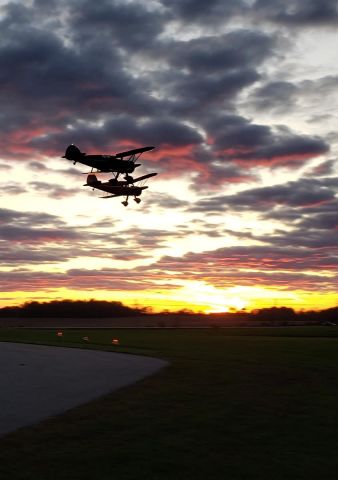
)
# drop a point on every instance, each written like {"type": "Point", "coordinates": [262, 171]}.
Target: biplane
{"type": "Point", "coordinates": [123, 162]}
{"type": "Point", "coordinates": [119, 188]}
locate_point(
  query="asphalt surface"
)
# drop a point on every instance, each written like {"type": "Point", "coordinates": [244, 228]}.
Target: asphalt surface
{"type": "Point", "coordinates": [38, 382]}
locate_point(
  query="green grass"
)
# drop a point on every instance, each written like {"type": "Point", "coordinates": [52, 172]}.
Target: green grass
{"type": "Point", "coordinates": [234, 404]}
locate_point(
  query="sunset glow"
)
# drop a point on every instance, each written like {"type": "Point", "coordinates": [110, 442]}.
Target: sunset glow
{"type": "Point", "coordinates": [240, 102]}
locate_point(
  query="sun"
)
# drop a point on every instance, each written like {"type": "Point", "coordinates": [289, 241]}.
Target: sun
{"type": "Point", "coordinates": [210, 299]}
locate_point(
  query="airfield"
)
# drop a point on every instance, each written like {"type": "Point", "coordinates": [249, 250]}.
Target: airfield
{"type": "Point", "coordinates": [38, 381]}
{"type": "Point", "coordinates": [232, 403]}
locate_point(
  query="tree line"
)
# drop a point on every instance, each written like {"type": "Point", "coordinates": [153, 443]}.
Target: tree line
{"type": "Point", "coordinates": [96, 309]}
{"type": "Point", "coordinates": [71, 309]}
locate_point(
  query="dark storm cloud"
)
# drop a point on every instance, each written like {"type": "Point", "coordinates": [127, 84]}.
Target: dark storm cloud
{"type": "Point", "coordinates": [303, 195]}
{"type": "Point", "coordinates": [286, 96]}
{"type": "Point", "coordinates": [102, 75]}
{"type": "Point", "coordinates": [279, 95]}
{"type": "Point", "coordinates": [199, 92]}
{"type": "Point", "coordinates": [308, 208]}
{"type": "Point", "coordinates": [200, 11]}
{"type": "Point", "coordinates": [210, 71]}
{"type": "Point", "coordinates": [133, 25]}
{"type": "Point", "coordinates": [307, 237]}
{"type": "Point", "coordinates": [322, 221]}
{"type": "Point", "coordinates": [237, 50]}
{"type": "Point", "coordinates": [298, 12]}
{"type": "Point", "coordinates": [218, 173]}
{"type": "Point", "coordinates": [244, 141]}
{"type": "Point", "coordinates": [158, 131]}
{"type": "Point", "coordinates": [44, 81]}
{"type": "Point", "coordinates": [123, 129]}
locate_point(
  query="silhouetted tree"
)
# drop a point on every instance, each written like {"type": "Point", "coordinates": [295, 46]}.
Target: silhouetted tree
{"type": "Point", "coordinates": [71, 308]}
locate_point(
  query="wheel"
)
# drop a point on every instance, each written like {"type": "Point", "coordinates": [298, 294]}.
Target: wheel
{"type": "Point", "coordinates": [125, 203]}
{"type": "Point", "coordinates": [137, 200]}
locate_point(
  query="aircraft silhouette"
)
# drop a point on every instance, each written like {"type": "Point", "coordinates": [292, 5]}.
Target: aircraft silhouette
{"type": "Point", "coordinates": [107, 163]}
{"type": "Point", "coordinates": [119, 188]}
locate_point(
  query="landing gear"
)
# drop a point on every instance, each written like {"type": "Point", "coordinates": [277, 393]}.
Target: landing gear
{"type": "Point", "coordinates": [129, 178]}
{"type": "Point", "coordinates": [137, 200]}
{"type": "Point", "coordinates": [125, 203]}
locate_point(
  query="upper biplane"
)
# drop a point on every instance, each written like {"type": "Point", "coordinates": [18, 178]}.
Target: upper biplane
{"type": "Point", "coordinates": [118, 188]}
{"type": "Point", "coordinates": [107, 163]}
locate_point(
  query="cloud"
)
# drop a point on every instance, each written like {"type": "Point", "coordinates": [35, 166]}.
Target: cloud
{"type": "Point", "coordinates": [296, 96]}
{"type": "Point", "coordinates": [236, 50]}
{"type": "Point", "coordinates": [80, 279]}
{"type": "Point", "coordinates": [305, 212]}
{"type": "Point", "coordinates": [303, 195]}
{"type": "Point", "coordinates": [53, 191]}
{"type": "Point", "coordinates": [130, 84]}
{"type": "Point", "coordinates": [181, 75]}
{"type": "Point", "coordinates": [298, 13]}
{"type": "Point", "coordinates": [279, 96]}
{"type": "Point", "coordinates": [285, 267]}
{"type": "Point", "coordinates": [27, 219]}
{"type": "Point", "coordinates": [134, 25]}
{"type": "Point", "coordinates": [11, 188]}
{"type": "Point", "coordinates": [205, 13]}
{"type": "Point", "coordinates": [28, 238]}
{"type": "Point", "coordinates": [238, 139]}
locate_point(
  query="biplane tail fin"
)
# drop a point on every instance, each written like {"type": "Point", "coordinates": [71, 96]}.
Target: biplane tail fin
{"type": "Point", "coordinates": [91, 180]}
{"type": "Point", "coordinates": [73, 153]}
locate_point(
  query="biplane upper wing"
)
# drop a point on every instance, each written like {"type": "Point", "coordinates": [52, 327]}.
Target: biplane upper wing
{"type": "Point", "coordinates": [136, 151]}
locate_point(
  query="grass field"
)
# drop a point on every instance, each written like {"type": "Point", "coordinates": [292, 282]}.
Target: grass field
{"type": "Point", "coordinates": [234, 404]}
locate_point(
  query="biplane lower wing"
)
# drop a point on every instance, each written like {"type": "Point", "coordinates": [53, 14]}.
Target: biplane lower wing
{"type": "Point", "coordinates": [139, 179]}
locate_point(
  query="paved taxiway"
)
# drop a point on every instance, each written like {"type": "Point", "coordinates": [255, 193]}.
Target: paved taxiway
{"type": "Point", "coordinates": [37, 382]}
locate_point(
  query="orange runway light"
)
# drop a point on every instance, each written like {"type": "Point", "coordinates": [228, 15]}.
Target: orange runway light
{"type": "Point", "coordinates": [115, 341]}
{"type": "Point", "coordinates": [59, 334]}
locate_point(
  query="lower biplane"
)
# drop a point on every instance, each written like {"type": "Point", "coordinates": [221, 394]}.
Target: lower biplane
{"type": "Point", "coordinates": [119, 188]}
{"type": "Point", "coordinates": [123, 162]}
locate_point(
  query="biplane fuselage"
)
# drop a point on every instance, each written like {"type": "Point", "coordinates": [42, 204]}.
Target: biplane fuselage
{"type": "Point", "coordinates": [106, 163]}
{"type": "Point", "coordinates": [117, 189]}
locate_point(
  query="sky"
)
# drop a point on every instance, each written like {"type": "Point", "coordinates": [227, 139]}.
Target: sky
{"type": "Point", "coordinates": [240, 100]}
